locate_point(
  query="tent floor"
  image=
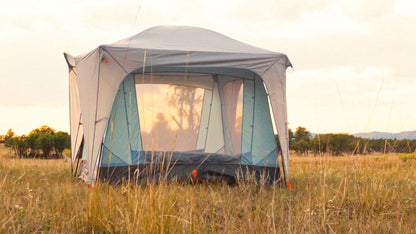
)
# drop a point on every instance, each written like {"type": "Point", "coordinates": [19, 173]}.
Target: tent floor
{"type": "Point", "coordinates": [180, 166]}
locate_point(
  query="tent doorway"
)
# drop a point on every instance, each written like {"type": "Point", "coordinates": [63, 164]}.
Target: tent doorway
{"type": "Point", "coordinates": [193, 115]}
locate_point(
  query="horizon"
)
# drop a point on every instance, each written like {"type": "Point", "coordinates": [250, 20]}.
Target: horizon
{"type": "Point", "coordinates": [293, 130]}
{"type": "Point", "coordinates": [353, 61]}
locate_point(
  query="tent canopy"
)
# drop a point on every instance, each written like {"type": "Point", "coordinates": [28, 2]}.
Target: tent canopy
{"type": "Point", "coordinates": [96, 78]}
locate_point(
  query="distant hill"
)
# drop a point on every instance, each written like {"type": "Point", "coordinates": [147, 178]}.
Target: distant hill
{"type": "Point", "coordinates": [387, 135]}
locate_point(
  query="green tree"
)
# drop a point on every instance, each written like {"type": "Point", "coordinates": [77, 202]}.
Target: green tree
{"type": "Point", "coordinates": [61, 141]}
{"type": "Point", "coordinates": [319, 144]}
{"type": "Point", "coordinates": [40, 141]}
{"type": "Point", "coordinates": [32, 144]}
{"type": "Point", "coordinates": [45, 142]}
{"type": "Point", "coordinates": [10, 134]}
{"type": "Point", "coordinates": [18, 145]}
{"type": "Point", "coordinates": [301, 140]}
{"type": "Point", "coordinates": [302, 133]}
{"type": "Point", "coordinates": [44, 129]}
{"type": "Point", "coordinates": [340, 143]}
{"type": "Point", "coordinates": [301, 146]}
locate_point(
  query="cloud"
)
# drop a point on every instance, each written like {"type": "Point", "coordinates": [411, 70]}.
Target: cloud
{"type": "Point", "coordinates": [351, 100]}
{"type": "Point", "coordinates": [406, 8]}
{"type": "Point", "coordinates": [343, 52]}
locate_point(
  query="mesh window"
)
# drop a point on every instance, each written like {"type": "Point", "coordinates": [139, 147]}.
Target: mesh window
{"type": "Point", "coordinates": [169, 116]}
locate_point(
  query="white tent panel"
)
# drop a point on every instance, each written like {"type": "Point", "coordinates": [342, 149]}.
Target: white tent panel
{"type": "Point", "coordinates": [230, 93]}
{"type": "Point", "coordinates": [76, 128]}
{"type": "Point", "coordinates": [108, 82]}
{"type": "Point", "coordinates": [215, 137]}
{"type": "Point", "coordinates": [275, 80]}
{"type": "Point", "coordinates": [203, 126]}
{"type": "Point", "coordinates": [87, 80]}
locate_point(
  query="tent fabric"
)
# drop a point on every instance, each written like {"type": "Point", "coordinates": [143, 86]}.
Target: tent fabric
{"type": "Point", "coordinates": [230, 92]}
{"type": "Point", "coordinates": [100, 73]}
{"type": "Point", "coordinates": [75, 116]}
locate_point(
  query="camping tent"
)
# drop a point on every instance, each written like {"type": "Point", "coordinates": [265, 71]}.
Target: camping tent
{"type": "Point", "coordinates": [188, 98]}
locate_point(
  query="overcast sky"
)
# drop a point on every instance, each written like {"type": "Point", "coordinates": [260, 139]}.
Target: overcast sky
{"type": "Point", "coordinates": [354, 60]}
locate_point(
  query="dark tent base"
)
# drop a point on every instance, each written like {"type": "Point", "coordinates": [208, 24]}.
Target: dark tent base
{"type": "Point", "coordinates": [180, 166]}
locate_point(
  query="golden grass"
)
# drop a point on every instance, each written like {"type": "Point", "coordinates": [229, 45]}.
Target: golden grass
{"type": "Point", "coordinates": [329, 194]}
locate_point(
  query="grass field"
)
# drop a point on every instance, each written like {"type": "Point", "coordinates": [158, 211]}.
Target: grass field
{"type": "Point", "coordinates": [329, 194]}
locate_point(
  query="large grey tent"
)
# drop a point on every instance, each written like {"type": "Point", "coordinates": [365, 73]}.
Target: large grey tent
{"type": "Point", "coordinates": [184, 98]}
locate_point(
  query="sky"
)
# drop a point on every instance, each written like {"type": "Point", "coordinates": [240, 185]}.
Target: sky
{"type": "Point", "coordinates": [354, 60]}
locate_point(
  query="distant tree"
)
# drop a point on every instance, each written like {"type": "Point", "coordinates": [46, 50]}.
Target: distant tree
{"type": "Point", "coordinates": [33, 145]}
{"type": "Point", "coordinates": [301, 140]}
{"type": "Point", "coordinates": [376, 145]}
{"type": "Point", "coordinates": [45, 142]}
{"type": "Point", "coordinates": [18, 145]}
{"type": "Point", "coordinates": [319, 144]}
{"type": "Point", "coordinates": [302, 133]}
{"type": "Point", "coordinates": [301, 146]}
{"type": "Point", "coordinates": [340, 143]}
{"type": "Point", "coordinates": [335, 144]}
{"type": "Point", "coordinates": [61, 141]}
{"type": "Point", "coordinates": [404, 145]}
{"type": "Point", "coordinates": [9, 134]}
{"type": "Point", "coordinates": [44, 129]}
{"type": "Point", "coordinates": [40, 141]}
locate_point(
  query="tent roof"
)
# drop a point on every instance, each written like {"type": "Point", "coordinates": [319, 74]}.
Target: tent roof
{"type": "Point", "coordinates": [186, 38]}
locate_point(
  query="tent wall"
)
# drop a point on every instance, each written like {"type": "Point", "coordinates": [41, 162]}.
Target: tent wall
{"type": "Point", "coordinates": [275, 81]}
{"type": "Point", "coordinates": [248, 122]}
{"type": "Point", "coordinates": [215, 136]}
{"type": "Point", "coordinates": [264, 151]}
{"type": "Point", "coordinates": [76, 128]}
{"type": "Point", "coordinates": [123, 142]}
{"type": "Point", "coordinates": [204, 124]}
{"type": "Point", "coordinates": [87, 81]}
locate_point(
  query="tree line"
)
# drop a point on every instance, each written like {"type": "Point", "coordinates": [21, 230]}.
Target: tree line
{"type": "Point", "coordinates": [43, 142]}
{"type": "Point", "coordinates": [302, 141]}
{"type": "Point", "coordinates": [46, 143]}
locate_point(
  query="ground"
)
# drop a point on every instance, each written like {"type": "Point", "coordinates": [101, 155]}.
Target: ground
{"type": "Point", "coordinates": [371, 193]}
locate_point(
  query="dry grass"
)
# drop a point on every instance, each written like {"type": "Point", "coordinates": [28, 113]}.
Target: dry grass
{"type": "Point", "coordinates": [329, 194]}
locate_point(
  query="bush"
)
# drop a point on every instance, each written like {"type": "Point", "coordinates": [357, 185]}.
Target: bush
{"type": "Point", "coordinates": [405, 157]}
{"type": "Point", "coordinates": [43, 142]}
{"type": "Point", "coordinates": [18, 145]}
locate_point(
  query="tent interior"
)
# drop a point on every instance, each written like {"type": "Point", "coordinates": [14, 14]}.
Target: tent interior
{"type": "Point", "coordinates": [169, 121]}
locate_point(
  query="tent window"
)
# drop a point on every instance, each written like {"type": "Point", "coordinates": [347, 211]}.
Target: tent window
{"type": "Point", "coordinates": [169, 116]}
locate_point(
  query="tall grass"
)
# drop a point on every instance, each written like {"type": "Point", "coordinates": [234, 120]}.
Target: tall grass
{"type": "Point", "coordinates": [329, 194]}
